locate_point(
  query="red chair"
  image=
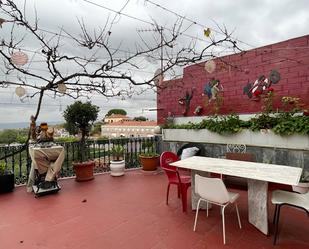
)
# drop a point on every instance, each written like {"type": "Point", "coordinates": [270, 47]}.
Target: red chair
{"type": "Point", "coordinates": [183, 182]}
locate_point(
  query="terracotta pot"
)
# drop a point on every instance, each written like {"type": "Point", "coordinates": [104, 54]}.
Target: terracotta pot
{"type": "Point", "coordinates": [84, 171]}
{"type": "Point", "coordinates": [149, 163]}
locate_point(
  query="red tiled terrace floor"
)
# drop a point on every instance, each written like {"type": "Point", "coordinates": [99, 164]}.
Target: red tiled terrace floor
{"type": "Point", "coordinates": [130, 212]}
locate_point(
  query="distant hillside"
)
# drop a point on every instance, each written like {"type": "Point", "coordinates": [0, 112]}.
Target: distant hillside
{"type": "Point", "coordinates": [22, 125]}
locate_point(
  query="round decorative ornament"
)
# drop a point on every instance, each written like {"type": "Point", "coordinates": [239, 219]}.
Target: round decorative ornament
{"type": "Point", "coordinates": [210, 66]}
{"type": "Point", "coordinates": [274, 76]}
{"type": "Point", "coordinates": [62, 88]}
{"type": "Point", "coordinates": [20, 91]}
{"type": "Point", "coordinates": [158, 77]}
{"type": "Point", "coordinates": [19, 58]}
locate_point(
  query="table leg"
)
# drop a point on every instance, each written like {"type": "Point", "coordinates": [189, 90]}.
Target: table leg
{"type": "Point", "coordinates": [257, 204]}
{"type": "Point", "coordinates": [194, 196]}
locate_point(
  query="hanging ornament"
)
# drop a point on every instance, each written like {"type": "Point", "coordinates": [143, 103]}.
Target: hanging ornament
{"type": "Point", "coordinates": [1, 22]}
{"type": "Point", "coordinates": [20, 91]}
{"type": "Point", "coordinates": [19, 58]}
{"type": "Point", "coordinates": [62, 88]}
{"type": "Point", "coordinates": [210, 66]}
{"type": "Point", "coordinates": [158, 77]}
{"type": "Point", "coordinates": [207, 32]}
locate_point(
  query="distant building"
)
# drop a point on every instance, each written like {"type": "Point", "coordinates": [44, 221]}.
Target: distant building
{"type": "Point", "coordinates": [129, 128]}
{"type": "Point", "coordinates": [61, 132]}
{"type": "Point", "coordinates": [116, 118]}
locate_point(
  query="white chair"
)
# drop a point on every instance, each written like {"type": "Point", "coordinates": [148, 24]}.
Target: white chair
{"type": "Point", "coordinates": [281, 197]}
{"type": "Point", "coordinates": [213, 190]}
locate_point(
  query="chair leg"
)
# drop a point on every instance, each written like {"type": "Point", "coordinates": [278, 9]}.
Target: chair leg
{"type": "Point", "coordinates": [277, 223]}
{"type": "Point", "coordinates": [223, 224]}
{"type": "Point", "coordinates": [167, 193]}
{"type": "Point", "coordinates": [239, 223]}
{"type": "Point", "coordinates": [275, 213]}
{"type": "Point", "coordinates": [184, 199]}
{"type": "Point", "coordinates": [207, 208]}
{"type": "Point", "coordinates": [196, 214]}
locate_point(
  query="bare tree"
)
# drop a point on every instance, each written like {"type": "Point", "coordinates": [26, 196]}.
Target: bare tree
{"type": "Point", "coordinates": [93, 65]}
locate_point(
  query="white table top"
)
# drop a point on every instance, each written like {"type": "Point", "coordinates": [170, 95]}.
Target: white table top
{"type": "Point", "coordinates": [252, 170]}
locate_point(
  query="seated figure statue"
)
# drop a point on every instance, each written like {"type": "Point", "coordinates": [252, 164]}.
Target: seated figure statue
{"type": "Point", "coordinates": [47, 159]}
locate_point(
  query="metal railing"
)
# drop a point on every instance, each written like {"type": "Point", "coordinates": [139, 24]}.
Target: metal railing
{"type": "Point", "coordinates": [97, 150]}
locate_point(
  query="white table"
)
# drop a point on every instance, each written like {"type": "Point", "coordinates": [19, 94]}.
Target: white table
{"type": "Point", "coordinates": [258, 175]}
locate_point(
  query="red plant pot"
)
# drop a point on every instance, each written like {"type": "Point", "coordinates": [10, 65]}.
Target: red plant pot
{"type": "Point", "coordinates": [84, 171]}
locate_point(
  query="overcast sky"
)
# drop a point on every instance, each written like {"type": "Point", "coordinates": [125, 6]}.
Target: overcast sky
{"type": "Point", "coordinates": [253, 22]}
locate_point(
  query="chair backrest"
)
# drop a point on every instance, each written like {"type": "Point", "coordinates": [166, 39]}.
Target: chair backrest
{"type": "Point", "coordinates": [211, 189]}
{"type": "Point", "coordinates": [166, 158]}
{"type": "Point", "coordinates": [249, 157]}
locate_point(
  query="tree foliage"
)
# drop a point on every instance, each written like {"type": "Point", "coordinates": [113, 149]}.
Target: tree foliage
{"type": "Point", "coordinates": [116, 111]}
{"type": "Point", "coordinates": [80, 116]}
{"type": "Point", "coordinates": [9, 136]}
{"type": "Point", "coordinates": [140, 118]}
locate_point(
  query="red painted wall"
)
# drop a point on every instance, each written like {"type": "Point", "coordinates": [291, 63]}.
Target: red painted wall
{"type": "Point", "coordinates": [290, 58]}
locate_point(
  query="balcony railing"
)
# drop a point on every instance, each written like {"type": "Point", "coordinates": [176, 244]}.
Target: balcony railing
{"type": "Point", "coordinates": [99, 151]}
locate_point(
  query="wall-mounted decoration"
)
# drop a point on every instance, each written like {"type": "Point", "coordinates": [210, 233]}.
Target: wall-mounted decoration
{"type": "Point", "coordinates": [212, 88]}
{"type": "Point", "coordinates": [222, 66]}
{"type": "Point", "coordinates": [261, 86]}
{"type": "Point", "coordinates": [170, 118]}
{"type": "Point", "coordinates": [186, 102]}
{"type": "Point", "coordinates": [198, 110]}
{"type": "Point", "coordinates": [19, 58]}
{"type": "Point", "coordinates": [274, 76]}
{"type": "Point", "coordinates": [210, 66]}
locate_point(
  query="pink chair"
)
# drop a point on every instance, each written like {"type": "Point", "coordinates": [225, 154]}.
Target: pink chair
{"type": "Point", "coordinates": [183, 182]}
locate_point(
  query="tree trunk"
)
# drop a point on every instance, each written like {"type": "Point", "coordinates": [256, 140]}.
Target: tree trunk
{"type": "Point", "coordinates": [82, 149]}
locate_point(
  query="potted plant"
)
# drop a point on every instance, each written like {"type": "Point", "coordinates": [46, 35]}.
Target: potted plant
{"type": "Point", "coordinates": [79, 118]}
{"type": "Point", "coordinates": [303, 186]}
{"type": "Point", "coordinates": [117, 164]}
{"type": "Point", "coordinates": [149, 159]}
{"type": "Point", "coordinates": [7, 180]}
